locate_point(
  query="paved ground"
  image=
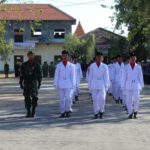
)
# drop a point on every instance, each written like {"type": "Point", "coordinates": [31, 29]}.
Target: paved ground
{"type": "Point", "coordinates": [80, 132]}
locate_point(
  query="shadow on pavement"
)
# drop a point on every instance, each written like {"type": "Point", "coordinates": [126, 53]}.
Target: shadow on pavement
{"type": "Point", "coordinates": [12, 112]}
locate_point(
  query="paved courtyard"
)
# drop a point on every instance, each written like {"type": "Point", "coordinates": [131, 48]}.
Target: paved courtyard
{"type": "Point", "coordinates": [80, 132]}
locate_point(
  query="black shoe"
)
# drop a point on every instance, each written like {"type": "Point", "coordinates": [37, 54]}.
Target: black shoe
{"type": "Point", "coordinates": [28, 113]}
{"type": "Point", "coordinates": [120, 101]}
{"type": "Point", "coordinates": [76, 98]}
{"type": "Point", "coordinates": [96, 116]}
{"type": "Point", "coordinates": [130, 116]}
{"type": "Point", "coordinates": [62, 115]}
{"type": "Point", "coordinates": [117, 101]}
{"type": "Point", "coordinates": [101, 115]}
{"type": "Point", "coordinates": [67, 114]}
{"type": "Point", "coordinates": [135, 115]}
{"type": "Point", "coordinates": [33, 112]}
{"type": "Point", "coordinates": [110, 94]}
{"type": "Point", "coordinates": [125, 108]}
{"type": "Point", "coordinates": [70, 111]}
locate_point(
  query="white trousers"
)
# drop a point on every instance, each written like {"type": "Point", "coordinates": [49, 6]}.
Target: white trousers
{"type": "Point", "coordinates": [124, 97]}
{"type": "Point", "coordinates": [113, 88]}
{"type": "Point", "coordinates": [76, 91]}
{"type": "Point", "coordinates": [132, 100]}
{"type": "Point", "coordinates": [110, 88]}
{"type": "Point", "coordinates": [65, 100]}
{"type": "Point", "coordinates": [98, 97]}
{"type": "Point", "coordinates": [118, 91]}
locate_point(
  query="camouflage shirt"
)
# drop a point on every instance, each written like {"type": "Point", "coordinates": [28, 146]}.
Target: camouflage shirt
{"type": "Point", "coordinates": [30, 72]}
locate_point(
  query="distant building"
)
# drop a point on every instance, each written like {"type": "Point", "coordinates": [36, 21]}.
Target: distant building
{"type": "Point", "coordinates": [79, 32]}
{"type": "Point", "coordinates": [37, 27]}
{"type": "Point", "coordinates": [105, 42]}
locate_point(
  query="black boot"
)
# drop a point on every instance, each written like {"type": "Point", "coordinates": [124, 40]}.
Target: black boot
{"type": "Point", "coordinates": [130, 116]}
{"type": "Point", "coordinates": [62, 115]}
{"type": "Point", "coordinates": [28, 113]}
{"type": "Point", "coordinates": [117, 101]}
{"type": "Point", "coordinates": [33, 112]}
{"type": "Point", "coordinates": [101, 115]}
{"type": "Point", "coordinates": [135, 115]}
{"type": "Point", "coordinates": [96, 116]}
{"type": "Point", "coordinates": [120, 101]}
{"type": "Point", "coordinates": [76, 98]}
{"type": "Point", "coordinates": [67, 114]}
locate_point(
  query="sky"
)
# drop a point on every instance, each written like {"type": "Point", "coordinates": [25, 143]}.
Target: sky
{"type": "Point", "coordinates": [88, 12]}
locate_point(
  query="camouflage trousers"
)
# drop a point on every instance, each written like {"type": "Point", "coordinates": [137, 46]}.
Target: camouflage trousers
{"type": "Point", "coordinates": [30, 93]}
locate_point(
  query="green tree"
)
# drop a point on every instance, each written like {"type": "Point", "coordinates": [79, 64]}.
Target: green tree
{"type": "Point", "coordinates": [90, 47]}
{"type": "Point", "coordinates": [6, 47]}
{"type": "Point", "coordinates": [135, 15]}
{"type": "Point", "coordinates": [82, 49]}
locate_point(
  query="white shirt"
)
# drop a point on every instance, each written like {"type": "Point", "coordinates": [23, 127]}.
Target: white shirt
{"type": "Point", "coordinates": [99, 77]}
{"type": "Point", "coordinates": [64, 76]}
{"type": "Point", "coordinates": [79, 74]}
{"type": "Point", "coordinates": [132, 79]}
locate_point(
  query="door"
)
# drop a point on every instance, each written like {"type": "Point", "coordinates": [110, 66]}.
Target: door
{"type": "Point", "coordinates": [18, 60]}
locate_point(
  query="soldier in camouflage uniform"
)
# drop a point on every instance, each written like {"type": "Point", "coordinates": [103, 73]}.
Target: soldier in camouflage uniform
{"type": "Point", "coordinates": [30, 82]}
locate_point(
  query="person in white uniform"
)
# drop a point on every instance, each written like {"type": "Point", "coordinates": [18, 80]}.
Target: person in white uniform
{"type": "Point", "coordinates": [112, 76]}
{"type": "Point", "coordinates": [79, 76]}
{"type": "Point", "coordinates": [119, 66]}
{"type": "Point", "coordinates": [73, 89]}
{"type": "Point", "coordinates": [99, 84]}
{"type": "Point", "coordinates": [87, 75]}
{"type": "Point", "coordinates": [133, 83]}
{"type": "Point", "coordinates": [64, 81]}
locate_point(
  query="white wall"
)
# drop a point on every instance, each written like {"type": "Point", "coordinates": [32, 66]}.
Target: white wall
{"type": "Point", "coordinates": [47, 53]}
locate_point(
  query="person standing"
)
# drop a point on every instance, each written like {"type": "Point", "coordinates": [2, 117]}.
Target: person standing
{"type": "Point", "coordinates": [112, 76]}
{"type": "Point", "coordinates": [79, 76]}
{"type": "Point", "coordinates": [51, 69]}
{"type": "Point", "coordinates": [6, 70]}
{"type": "Point", "coordinates": [45, 69]}
{"type": "Point", "coordinates": [99, 84]}
{"type": "Point", "coordinates": [132, 83]}
{"type": "Point", "coordinates": [64, 82]}
{"type": "Point", "coordinates": [119, 67]}
{"type": "Point", "coordinates": [17, 67]}
{"type": "Point", "coordinates": [30, 82]}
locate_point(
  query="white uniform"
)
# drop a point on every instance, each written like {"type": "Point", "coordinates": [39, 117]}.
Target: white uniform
{"type": "Point", "coordinates": [73, 89]}
{"type": "Point", "coordinates": [118, 74]}
{"type": "Point", "coordinates": [99, 84]}
{"type": "Point", "coordinates": [64, 81]}
{"type": "Point", "coordinates": [132, 83]}
{"type": "Point", "coordinates": [79, 76]}
{"type": "Point", "coordinates": [123, 90]}
{"type": "Point", "coordinates": [111, 76]}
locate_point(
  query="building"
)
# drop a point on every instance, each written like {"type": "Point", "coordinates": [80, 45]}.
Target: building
{"type": "Point", "coordinates": [79, 32]}
{"type": "Point", "coordinates": [107, 42]}
{"type": "Point", "coordinates": [37, 27]}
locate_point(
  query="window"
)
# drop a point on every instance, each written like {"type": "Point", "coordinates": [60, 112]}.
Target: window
{"type": "Point", "coordinates": [18, 35]}
{"type": "Point", "coordinates": [36, 32]}
{"type": "Point", "coordinates": [59, 33]}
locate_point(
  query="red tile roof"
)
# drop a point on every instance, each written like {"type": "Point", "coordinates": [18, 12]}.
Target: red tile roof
{"type": "Point", "coordinates": [79, 32]}
{"type": "Point", "coordinates": [33, 12]}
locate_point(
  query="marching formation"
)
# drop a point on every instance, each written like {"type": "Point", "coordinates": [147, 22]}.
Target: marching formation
{"type": "Point", "coordinates": [122, 80]}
